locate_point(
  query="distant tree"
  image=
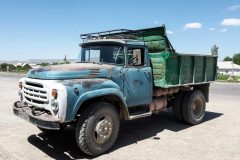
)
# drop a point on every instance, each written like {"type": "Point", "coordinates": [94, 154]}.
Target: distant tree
{"type": "Point", "coordinates": [65, 61]}
{"type": "Point", "coordinates": [19, 68]}
{"type": "Point", "coordinates": [11, 67]}
{"type": "Point", "coordinates": [227, 59]}
{"type": "Point", "coordinates": [3, 66]}
{"type": "Point", "coordinates": [65, 58]}
{"type": "Point", "coordinates": [236, 58]}
{"type": "Point", "coordinates": [55, 63]}
{"type": "Point", "coordinates": [26, 67]}
{"type": "Point", "coordinates": [7, 67]}
{"type": "Point", "coordinates": [44, 64]}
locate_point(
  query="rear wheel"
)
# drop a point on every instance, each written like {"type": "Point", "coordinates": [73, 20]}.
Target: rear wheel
{"type": "Point", "coordinates": [177, 106]}
{"type": "Point", "coordinates": [193, 108]}
{"type": "Point", "coordinates": [97, 128]}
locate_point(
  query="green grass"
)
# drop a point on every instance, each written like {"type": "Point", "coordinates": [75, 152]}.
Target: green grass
{"type": "Point", "coordinates": [228, 78]}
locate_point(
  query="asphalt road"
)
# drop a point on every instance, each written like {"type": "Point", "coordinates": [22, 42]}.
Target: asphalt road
{"type": "Point", "coordinates": [156, 137]}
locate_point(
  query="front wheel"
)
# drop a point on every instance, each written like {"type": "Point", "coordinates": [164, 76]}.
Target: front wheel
{"type": "Point", "coordinates": [97, 128]}
{"type": "Point", "coordinates": [193, 107]}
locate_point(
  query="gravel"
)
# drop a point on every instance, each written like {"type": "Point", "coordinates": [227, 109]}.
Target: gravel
{"type": "Point", "coordinates": [156, 137]}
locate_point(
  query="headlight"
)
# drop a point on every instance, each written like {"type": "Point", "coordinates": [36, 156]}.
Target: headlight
{"type": "Point", "coordinates": [54, 105]}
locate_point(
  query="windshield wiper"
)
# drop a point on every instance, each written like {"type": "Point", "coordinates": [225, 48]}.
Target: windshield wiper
{"type": "Point", "coordinates": [84, 62]}
{"type": "Point", "coordinates": [96, 62]}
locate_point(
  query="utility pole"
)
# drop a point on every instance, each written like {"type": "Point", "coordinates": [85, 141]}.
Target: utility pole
{"type": "Point", "coordinates": [65, 59]}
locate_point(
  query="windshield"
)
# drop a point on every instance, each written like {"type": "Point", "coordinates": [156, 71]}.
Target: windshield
{"type": "Point", "coordinates": [102, 54]}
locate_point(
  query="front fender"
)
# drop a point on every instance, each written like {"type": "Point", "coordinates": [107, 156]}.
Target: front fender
{"type": "Point", "coordinates": [98, 93]}
{"type": "Point", "coordinates": [87, 92]}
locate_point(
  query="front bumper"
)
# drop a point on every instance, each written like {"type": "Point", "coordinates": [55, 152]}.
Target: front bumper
{"type": "Point", "coordinates": [44, 120]}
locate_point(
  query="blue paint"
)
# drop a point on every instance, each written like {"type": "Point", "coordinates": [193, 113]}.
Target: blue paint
{"type": "Point", "coordinates": [62, 73]}
{"type": "Point", "coordinates": [108, 87]}
{"type": "Point", "coordinates": [132, 85]}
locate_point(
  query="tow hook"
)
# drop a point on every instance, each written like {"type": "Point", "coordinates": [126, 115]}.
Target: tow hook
{"type": "Point", "coordinates": [35, 111]}
{"type": "Point", "coordinates": [18, 104]}
{"type": "Point", "coordinates": [38, 111]}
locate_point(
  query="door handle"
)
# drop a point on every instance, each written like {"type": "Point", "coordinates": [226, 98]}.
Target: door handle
{"type": "Point", "coordinates": [147, 74]}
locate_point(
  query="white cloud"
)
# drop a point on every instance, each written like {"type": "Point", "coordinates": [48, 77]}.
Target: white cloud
{"type": "Point", "coordinates": [223, 30]}
{"type": "Point", "coordinates": [156, 22]}
{"type": "Point", "coordinates": [234, 8]}
{"type": "Point", "coordinates": [193, 25]}
{"type": "Point", "coordinates": [211, 29]}
{"type": "Point", "coordinates": [169, 32]}
{"type": "Point", "coordinates": [231, 22]}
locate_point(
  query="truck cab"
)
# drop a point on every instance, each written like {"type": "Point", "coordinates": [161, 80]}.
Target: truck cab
{"type": "Point", "coordinates": [130, 70]}
{"type": "Point", "coordinates": [116, 77]}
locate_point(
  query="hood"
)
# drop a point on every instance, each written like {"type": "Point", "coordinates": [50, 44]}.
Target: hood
{"type": "Point", "coordinates": [72, 71]}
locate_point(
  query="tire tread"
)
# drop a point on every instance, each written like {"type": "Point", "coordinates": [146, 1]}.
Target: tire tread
{"type": "Point", "coordinates": [185, 108]}
{"type": "Point", "coordinates": [177, 106]}
{"type": "Point", "coordinates": [82, 124]}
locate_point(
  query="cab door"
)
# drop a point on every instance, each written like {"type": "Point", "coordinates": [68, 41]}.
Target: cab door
{"type": "Point", "coordinates": [137, 77]}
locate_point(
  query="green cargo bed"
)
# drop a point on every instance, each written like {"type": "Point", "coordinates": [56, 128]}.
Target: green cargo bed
{"type": "Point", "coordinates": [173, 69]}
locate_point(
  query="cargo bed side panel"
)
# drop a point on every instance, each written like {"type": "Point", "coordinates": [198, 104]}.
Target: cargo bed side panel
{"type": "Point", "coordinates": [172, 69]}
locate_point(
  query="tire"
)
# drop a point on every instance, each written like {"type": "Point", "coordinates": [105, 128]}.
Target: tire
{"type": "Point", "coordinates": [193, 108]}
{"type": "Point", "coordinates": [97, 128]}
{"type": "Point", "coordinates": [177, 106]}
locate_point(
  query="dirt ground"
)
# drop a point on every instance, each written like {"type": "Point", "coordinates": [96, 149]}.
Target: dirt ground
{"type": "Point", "coordinates": [156, 137]}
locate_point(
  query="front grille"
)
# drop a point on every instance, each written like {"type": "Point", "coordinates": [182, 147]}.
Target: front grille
{"type": "Point", "coordinates": [34, 84]}
{"type": "Point", "coordinates": [35, 93]}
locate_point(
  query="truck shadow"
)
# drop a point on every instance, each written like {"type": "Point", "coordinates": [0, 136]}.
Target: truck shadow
{"type": "Point", "coordinates": [63, 145]}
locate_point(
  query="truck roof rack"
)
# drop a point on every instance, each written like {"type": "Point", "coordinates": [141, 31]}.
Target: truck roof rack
{"type": "Point", "coordinates": [113, 34]}
{"type": "Point", "coordinates": [140, 34]}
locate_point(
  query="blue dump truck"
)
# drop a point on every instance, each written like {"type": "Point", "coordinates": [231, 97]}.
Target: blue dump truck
{"type": "Point", "coordinates": [121, 74]}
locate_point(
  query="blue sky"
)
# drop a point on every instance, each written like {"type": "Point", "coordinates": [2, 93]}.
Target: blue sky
{"type": "Point", "coordinates": [51, 28]}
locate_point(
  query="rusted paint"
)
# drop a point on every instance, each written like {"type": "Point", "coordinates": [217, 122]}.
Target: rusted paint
{"type": "Point", "coordinates": [75, 67]}
{"type": "Point", "coordinates": [158, 104]}
{"type": "Point", "coordinates": [86, 83]}
{"type": "Point", "coordinates": [70, 83]}
{"type": "Point", "coordinates": [90, 83]}
{"type": "Point", "coordinates": [44, 120]}
{"type": "Point", "coordinates": [157, 91]}
{"type": "Point", "coordinates": [73, 71]}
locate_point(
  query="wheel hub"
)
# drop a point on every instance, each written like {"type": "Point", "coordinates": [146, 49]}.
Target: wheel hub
{"type": "Point", "coordinates": [197, 107]}
{"type": "Point", "coordinates": [103, 130]}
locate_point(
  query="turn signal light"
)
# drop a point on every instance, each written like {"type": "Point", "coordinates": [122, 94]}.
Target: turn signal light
{"type": "Point", "coordinates": [54, 93]}
{"type": "Point", "coordinates": [20, 85]}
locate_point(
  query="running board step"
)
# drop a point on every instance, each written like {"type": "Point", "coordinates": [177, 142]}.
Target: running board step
{"type": "Point", "coordinates": [140, 115]}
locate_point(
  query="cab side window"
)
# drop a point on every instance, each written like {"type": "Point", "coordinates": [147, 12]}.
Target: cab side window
{"type": "Point", "coordinates": [136, 57]}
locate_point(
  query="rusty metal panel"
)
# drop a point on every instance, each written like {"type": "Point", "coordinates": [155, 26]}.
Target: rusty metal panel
{"type": "Point", "coordinates": [211, 69]}
{"type": "Point", "coordinates": [199, 69]}
{"type": "Point", "coordinates": [186, 70]}
{"type": "Point", "coordinates": [172, 69]}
